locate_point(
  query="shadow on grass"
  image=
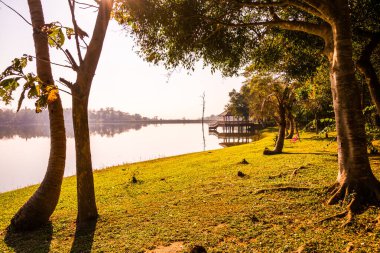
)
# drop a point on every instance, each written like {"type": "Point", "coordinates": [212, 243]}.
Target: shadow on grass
{"type": "Point", "coordinates": [84, 238]}
{"type": "Point", "coordinates": [319, 138]}
{"type": "Point", "coordinates": [327, 153]}
{"type": "Point", "coordinates": [30, 241]}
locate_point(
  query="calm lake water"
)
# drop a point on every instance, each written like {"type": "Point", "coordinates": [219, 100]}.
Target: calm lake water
{"type": "Point", "coordinates": [25, 149]}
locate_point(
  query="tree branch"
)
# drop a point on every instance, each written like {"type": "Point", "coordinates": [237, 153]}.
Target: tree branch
{"type": "Point", "coordinates": [68, 84]}
{"type": "Point", "coordinates": [319, 30]}
{"type": "Point", "coordinates": [95, 46]}
{"type": "Point", "coordinates": [76, 30]}
{"type": "Point", "coordinates": [57, 64]}
{"type": "Point", "coordinates": [65, 91]}
{"type": "Point", "coordinates": [47, 35]}
{"type": "Point", "coordinates": [323, 6]}
{"type": "Point", "coordinates": [283, 3]}
{"type": "Point", "coordinates": [71, 60]}
{"type": "Point", "coordinates": [87, 5]}
{"type": "Point", "coordinates": [16, 13]}
{"type": "Point", "coordinates": [308, 8]}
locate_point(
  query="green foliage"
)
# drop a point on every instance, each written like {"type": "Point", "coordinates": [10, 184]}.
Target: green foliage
{"type": "Point", "coordinates": [182, 32]}
{"type": "Point", "coordinates": [296, 54]}
{"type": "Point", "coordinates": [56, 33]}
{"type": "Point", "coordinates": [268, 96]}
{"type": "Point", "coordinates": [238, 104]}
{"type": "Point", "coordinates": [13, 77]}
{"type": "Point", "coordinates": [365, 15]}
{"type": "Point", "coordinates": [314, 98]}
{"type": "Point", "coordinates": [372, 130]}
{"type": "Point", "coordinates": [329, 125]}
{"type": "Point", "coordinates": [370, 115]}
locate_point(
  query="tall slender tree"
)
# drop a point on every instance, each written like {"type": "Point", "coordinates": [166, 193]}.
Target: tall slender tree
{"type": "Point", "coordinates": [85, 69]}
{"type": "Point", "coordinates": [38, 209]}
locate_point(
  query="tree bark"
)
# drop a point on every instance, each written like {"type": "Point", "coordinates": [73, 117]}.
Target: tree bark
{"type": "Point", "coordinates": [38, 209]}
{"type": "Point", "coordinates": [281, 134]}
{"type": "Point", "coordinates": [291, 126]}
{"type": "Point", "coordinates": [316, 123]}
{"type": "Point", "coordinates": [87, 210]}
{"type": "Point", "coordinates": [355, 177]}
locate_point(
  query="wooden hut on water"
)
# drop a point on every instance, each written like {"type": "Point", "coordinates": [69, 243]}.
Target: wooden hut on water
{"type": "Point", "coordinates": [232, 124]}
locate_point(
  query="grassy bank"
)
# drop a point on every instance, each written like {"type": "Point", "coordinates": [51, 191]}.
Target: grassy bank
{"type": "Point", "coordinates": [198, 199]}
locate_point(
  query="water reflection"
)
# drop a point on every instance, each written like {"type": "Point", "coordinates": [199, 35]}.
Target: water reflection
{"type": "Point", "coordinates": [25, 148]}
{"type": "Point", "coordinates": [34, 131]}
{"type": "Point", "coordinates": [234, 139]}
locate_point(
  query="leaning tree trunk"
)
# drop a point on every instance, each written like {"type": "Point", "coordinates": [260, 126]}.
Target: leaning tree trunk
{"type": "Point", "coordinates": [366, 68]}
{"type": "Point", "coordinates": [281, 134]}
{"type": "Point", "coordinates": [355, 177]}
{"type": "Point", "coordinates": [38, 209]}
{"type": "Point", "coordinates": [291, 126]}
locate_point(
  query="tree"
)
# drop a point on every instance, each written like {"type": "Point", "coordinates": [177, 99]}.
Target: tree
{"type": "Point", "coordinates": [366, 30]}
{"type": "Point", "coordinates": [315, 99]}
{"type": "Point", "coordinates": [238, 104]}
{"type": "Point", "coordinates": [290, 53]}
{"type": "Point", "coordinates": [38, 209]}
{"type": "Point", "coordinates": [270, 97]}
{"type": "Point", "coordinates": [85, 69]}
{"type": "Point", "coordinates": [180, 32]}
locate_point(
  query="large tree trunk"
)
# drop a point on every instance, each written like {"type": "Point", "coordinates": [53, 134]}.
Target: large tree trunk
{"type": "Point", "coordinates": [281, 134]}
{"type": "Point", "coordinates": [38, 209]}
{"type": "Point", "coordinates": [355, 177]}
{"type": "Point", "coordinates": [87, 210]}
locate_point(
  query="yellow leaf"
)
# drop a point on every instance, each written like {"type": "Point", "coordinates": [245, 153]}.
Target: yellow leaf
{"type": "Point", "coordinates": [52, 96]}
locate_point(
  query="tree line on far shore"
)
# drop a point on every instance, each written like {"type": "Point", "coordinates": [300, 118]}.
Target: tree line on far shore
{"type": "Point", "coordinates": [29, 116]}
{"type": "Point", "coordinates": [106, 115]}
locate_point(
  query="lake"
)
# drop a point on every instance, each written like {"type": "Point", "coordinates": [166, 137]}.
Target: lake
{"type": "Point", "coordinates": [25, 149]}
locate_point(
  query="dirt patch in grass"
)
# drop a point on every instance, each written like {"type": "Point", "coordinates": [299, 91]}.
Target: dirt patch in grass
{"type": "Point", "coordinates": [172, 248]}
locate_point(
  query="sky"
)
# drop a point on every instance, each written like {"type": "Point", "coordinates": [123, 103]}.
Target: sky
{"type": "Point", "coordinates": [123, 80]}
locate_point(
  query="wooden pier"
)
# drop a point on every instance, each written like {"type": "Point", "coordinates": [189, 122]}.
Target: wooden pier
{"type": "Point", "coordinates": [232, 124]}
{"type": "Point", "coordinates": [233, 130]}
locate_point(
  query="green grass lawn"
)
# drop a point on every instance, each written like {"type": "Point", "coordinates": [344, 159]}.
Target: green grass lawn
{"type": "Point", "coordinates": [198, 199]}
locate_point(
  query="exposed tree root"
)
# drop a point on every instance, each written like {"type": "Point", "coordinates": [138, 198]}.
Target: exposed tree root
{"type": "Point", "coordinates": [339, 215]}
{"type": "Point", "coordinates": [267, 151]}
{"type": "Point", "coordinates": [359, 195]}
{"type": "Point", "coordinates": [291, 173]}
{"type": "Point", "coordinates": [286, 188]}
{"type": "Point", "coordinates": [296, 170]}
{"type": "Point", "coordinates": [277, 176]}
{"type": "Point", "coordinates": [289, 136]}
